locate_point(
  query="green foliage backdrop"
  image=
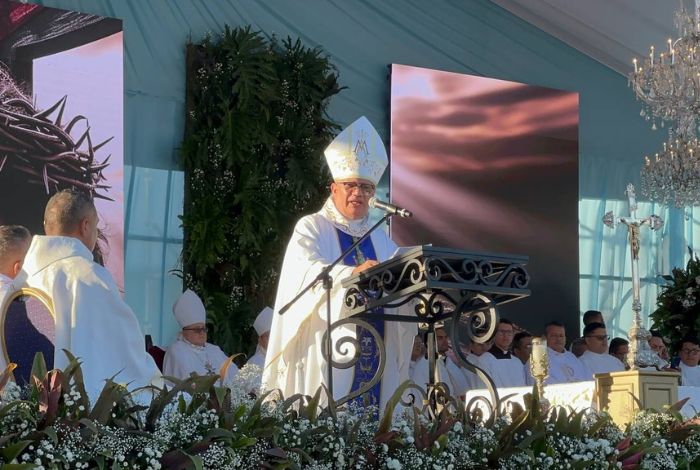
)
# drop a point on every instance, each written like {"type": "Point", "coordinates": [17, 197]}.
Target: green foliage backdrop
{"type": "Point", "coordinates": [253, 159]}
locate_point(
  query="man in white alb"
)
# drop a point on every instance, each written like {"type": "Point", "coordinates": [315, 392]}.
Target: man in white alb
{"type": "Point", "coordinates": [564, 367]}
{"type": "Point", "coordinates": [14, 243]}
{"type": "Point", "coordinates": [190, 352]}
{"type": "Point", "coordinates": [448, 372]}
{"type": "Point", "coordinates": [294, 361]}
{"type": "Point", "coordinates": [690, 356]}
{"type": "Point", "coordinates": [92, 320]}
{"type": "Point", "coordinates": [505, 369]}
{"type": "Point", "coordinates": [597, 359]}
{"type": "Point", "coordinates": [262, 327]}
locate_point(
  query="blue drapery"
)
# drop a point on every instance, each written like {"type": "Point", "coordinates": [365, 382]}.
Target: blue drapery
{"type": "Point", "coordinates": [363, 37]}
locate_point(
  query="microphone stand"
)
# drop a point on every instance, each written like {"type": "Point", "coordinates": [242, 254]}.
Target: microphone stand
{"type": "Point", "coordinates": [325, 277]}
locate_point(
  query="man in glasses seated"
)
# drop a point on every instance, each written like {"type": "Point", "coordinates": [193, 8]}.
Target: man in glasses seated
{"type": "Point", "coordinates": [689, 352]}
{"type": "Point", "coordinates": [597, 358]}
{"type": "Point", "coordinates": [190, 353]}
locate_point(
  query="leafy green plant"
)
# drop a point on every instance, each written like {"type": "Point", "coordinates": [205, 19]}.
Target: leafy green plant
{"type": "Point", "coordinates": [678, 305]}
{"type": "Point", "coordinates": [253, 159]}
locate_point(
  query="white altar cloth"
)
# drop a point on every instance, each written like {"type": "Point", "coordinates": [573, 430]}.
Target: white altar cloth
{"type": "Point", "coordinates": [579, 396]}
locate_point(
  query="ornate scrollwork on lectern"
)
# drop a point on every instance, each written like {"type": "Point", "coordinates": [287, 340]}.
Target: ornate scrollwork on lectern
{"type": "Point", "coordinates": [343, 347]}
{"type": "Point", "coordinates": [443, 284]}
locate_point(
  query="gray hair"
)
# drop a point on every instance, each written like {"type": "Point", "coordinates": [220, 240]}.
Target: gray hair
{"type": "Point", "coordinates": [65, 210]}
{"type": "Point", "coordinates": [12, 238]}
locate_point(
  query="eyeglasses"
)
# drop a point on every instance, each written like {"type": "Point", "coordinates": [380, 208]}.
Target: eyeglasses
{"type": "Point", "coordinates": [200, 330]}
{"type": "Point", "coordinates": [364, 188]}
{"type": "Point", "coordinates": [599, 337]}
{"type": "Point", "coordinates": [691, 351]}
{"type": "Point", "coordinates": [506, 332]}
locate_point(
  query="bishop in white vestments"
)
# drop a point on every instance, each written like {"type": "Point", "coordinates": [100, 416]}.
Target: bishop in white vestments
{"type": "Point", "coordinates": [262, 325]}
{"type": "Point", "coordinates": [14, 243]}
{"type": "Point", "coordinates": [597, 359]}
{"type": "Point", "coordinates": [92, 320]}
{"type": "Point", "coordinates": [190, 353]}
{"type": "Point", "coordinates": [294, 362]}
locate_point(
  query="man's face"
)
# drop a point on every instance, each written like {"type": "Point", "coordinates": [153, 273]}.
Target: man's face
{"type": "Point", "coordinates": [195, 333]}
{"type": "Point", "coordinates": [657, 345]}
{"type": "Point", "coordinates": [504, 336]}
{"type": "Point", "coordinates": [351, 197]}
{"type": "Point", "coordinates": [621, 352]}
{"type": "Point", "coordinates": [88, 229]}
{"type": "Point", "coordinates": [441, 340]}
{"type": "Point", "coordinates": [556, 337]}
{"type": "Point", "coordinates": [523, 348]}
{"type": "Point", "coordinates": [480, 348]}
{"type": "Point", "coordinates": [690, 354]}
{"type": "Point", "coordinates": [597, 341]}
{"type": "Point", "coordinates": [418, 348]}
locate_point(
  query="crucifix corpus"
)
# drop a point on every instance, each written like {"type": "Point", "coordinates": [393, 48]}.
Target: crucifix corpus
{"type": "Point", "coordinates": [640, 354]}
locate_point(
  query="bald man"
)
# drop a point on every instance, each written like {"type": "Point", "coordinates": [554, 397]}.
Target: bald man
{"type": "Point", "coordinates": [92, 320]}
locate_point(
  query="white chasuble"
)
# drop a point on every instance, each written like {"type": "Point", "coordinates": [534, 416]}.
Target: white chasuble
{"type": "Point", "coordinates": [565, 367]}
{"type": "Point", "coordinates": [183, 358]}
{"type": "Point", "coordinates": [690, 376]}
{"type": "Point", "coordinates": [92, 320]}
{"type": "Point", "coordinates": [601, 363]}
{"type": "Point", "coordinates": [294, 362]}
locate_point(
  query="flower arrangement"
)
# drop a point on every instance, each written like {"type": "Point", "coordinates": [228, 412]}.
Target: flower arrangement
{"type": "Point", "coordinates": [201, 425]}
{"type": "Point", "coordinates": [678, 305]}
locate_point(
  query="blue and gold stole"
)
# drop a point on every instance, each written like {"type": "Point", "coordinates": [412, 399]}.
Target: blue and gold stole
{"type": "Point", "coordinates": [368, 362]}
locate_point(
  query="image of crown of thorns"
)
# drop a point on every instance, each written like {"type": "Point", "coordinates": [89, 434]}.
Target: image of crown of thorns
{"type": "Point", "coordinates": [39, 145]}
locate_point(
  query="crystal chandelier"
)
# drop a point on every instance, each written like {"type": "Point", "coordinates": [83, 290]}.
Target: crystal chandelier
{"type": "Point", "coordinates": [672, 175]}
{"type": "Point", "coordinates": [669, 86]}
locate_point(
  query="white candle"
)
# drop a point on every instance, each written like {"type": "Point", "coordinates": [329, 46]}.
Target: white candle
{"type": "Point", "coordinates": [635, 65]}
{"type": "Point", "coordinates": [651, 55]}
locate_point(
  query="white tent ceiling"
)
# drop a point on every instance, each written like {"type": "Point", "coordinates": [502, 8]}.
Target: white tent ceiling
{"type": "Point", "coordinates": [610, 31]}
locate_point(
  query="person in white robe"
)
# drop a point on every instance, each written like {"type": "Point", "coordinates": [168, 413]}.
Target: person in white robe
{"type": "Point", "coordinates": [294, 361]}
{"type": "Point", "coordinates": [448, 371]}
{"type": "Point", "coordinates": [190, 353]}
{"type": "Point", "coordinates": [689, 353]}
{"type": "Point", "coordinates": [92, 320]}
{"type": "Point", "coordinates": [596, 358]}
{"type": "Point", "coordinates": [505, 369]}
{"type": "Point", "coordinates": [656, 343]}
{"type": "Point", "coordinates": [475, 357]}
{"type": "Point", "coordinates": [564, 366]}
{"type": "Point", "coordinates": [14, 243]}
{"type": "Point", "coordinates": [262, 325]}
{"type": "Point", "coordinates": [417, 356]}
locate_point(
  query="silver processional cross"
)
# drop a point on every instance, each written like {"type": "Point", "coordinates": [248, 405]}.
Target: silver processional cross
{"type": "Point", "coordinates": [640, 354]}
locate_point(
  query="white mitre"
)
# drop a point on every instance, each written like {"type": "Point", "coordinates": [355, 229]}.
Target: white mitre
{"type": "Point", "coordinates": [357, 152]}
{"type": "Point", "coordinates": [189, 309]}
{"type": "Point", "coordinates": [263, 322]}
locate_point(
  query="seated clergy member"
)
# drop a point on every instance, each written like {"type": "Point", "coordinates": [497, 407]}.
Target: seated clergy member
{"type": "Point", "coordinates": [564, 366]}
{"type": "Point", "coordinates": [417, 357]}
{"type": "Point", "coordinates": [657, 344]}
{"type": "Point", "coordinates": [14, 243]}
{"type": "Point", "coordinates": [92, 320]}
{"type": "Point", "coordinates": [447, 370]}
{"type": "Point", "coordinates": [522, 346]}
{"type": "Point", "coordinates": [262, 328]}
{"type": "Point", "coordinates": [592, 316]}
{"type": "Point", "coordinates": [597, 358]}
{"type": "Point", "coordinates": [689, 352]}
{"type": "Point", "coordinates": [190, 353]}
{"type": "Point", "coordinates": [619, 347]}
{"type": "Point", "coordinates": [505, 369]}
{"type": "Point", "coordinates": [578, 347]}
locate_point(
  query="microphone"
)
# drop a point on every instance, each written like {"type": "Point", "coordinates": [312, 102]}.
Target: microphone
{"type": "Point", "coordinates": [390, 208]}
